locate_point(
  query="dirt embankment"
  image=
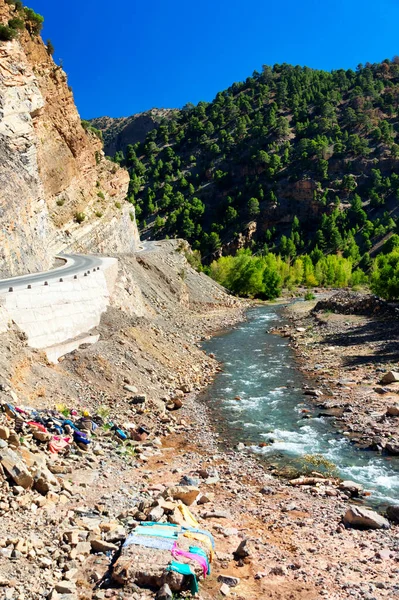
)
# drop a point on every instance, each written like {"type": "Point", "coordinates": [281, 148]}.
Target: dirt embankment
{"type": "Point", "coordinates": [53, 542]}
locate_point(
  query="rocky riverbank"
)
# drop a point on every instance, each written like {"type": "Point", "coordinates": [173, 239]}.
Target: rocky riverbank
{"type": "Point", "coordinates": [348, 345]}
{"type": "Point", "coordinates": [64, 523]}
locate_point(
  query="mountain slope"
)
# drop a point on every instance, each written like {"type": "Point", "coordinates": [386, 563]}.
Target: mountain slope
{"type": "Point", "coordinates": [57, 189]}
{"type": "Point", "coordinates": [290, 158]}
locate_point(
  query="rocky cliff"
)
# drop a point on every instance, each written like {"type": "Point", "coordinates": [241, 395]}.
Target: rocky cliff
{"type": "Point", "coordinates": [120, 132]}
{"type": "Point", "coordinates": [58, 192]}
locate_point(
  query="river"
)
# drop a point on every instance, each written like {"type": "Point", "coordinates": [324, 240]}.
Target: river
{"type": "Point", "coordinates": [260, 369]}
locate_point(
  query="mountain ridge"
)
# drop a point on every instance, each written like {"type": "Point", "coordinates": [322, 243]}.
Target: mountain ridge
{"type": "Point", "coordinates": [290, 142]}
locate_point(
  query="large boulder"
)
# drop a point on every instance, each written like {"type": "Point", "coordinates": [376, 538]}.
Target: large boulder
{"type": "Point", "coordinates": [15, 468]}
{"type": "Point", "coordinates": [363, 518]}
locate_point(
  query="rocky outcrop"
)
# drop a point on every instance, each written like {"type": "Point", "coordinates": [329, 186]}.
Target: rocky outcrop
{"type": "Point", "coordinates": [57, 189]}
{"type": "Point", "coordinates": [120, 132]}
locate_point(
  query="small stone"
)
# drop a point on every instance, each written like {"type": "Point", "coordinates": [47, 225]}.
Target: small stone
{"type": "Point", "coordinates": [245, 549]}
{"type": "Point", "coordinates": [155, 514]}
{"type": "Point", "coordinates": [4, 433]}
{"type": "Point", "coordinates": [130, 388]}
{"type": "Point", "coordinates": [390, 377]}
{"type": "Point", "coordinates": [164, 593]}
{"type": "Point", "coordinates": [103, 546]}
{"type": "Point", "coordinates": [224, 590]}
{"type": "Point", "coordinates": [229, 580]}
{"type": "Point", "coordinates": [65, 587]}
{"type": "Point", "coordinates": [187, 494]}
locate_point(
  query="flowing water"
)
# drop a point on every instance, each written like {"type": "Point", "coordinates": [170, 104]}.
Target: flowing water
{"type": "Point", "coordinates": [260, 368]}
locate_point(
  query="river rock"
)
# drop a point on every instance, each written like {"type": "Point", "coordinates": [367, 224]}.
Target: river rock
{"type": "Point", "coordinates": [392, 448]}
{"type": "Point", "coordinates": [363, 518]}
{"type": "Point", "coordinates": [393, 411]}
{"type": "Point", "coordinates": [390, 377]}
{"type": "Point", "coordinates": [315, 393]}
{"type": "Point", "coordinates": [393, 513]}
{"type": "Point", "coordinates": [355, 489]}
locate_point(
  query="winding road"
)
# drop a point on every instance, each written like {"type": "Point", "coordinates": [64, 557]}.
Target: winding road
{"type": "Point", "coordinates": [75, 264]}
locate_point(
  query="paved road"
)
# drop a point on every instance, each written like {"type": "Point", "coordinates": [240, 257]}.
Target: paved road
{"type": "Point", "coordinates": [75, 264]}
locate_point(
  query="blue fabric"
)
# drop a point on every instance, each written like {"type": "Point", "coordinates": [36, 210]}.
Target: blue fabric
{"type": "Point", "coordinates": [156, 532]}
{"type": "Point", "coordinates": [81, 438]}
{"type": "Point", "coordinates": [149, 542]}
{"type": "Point", "coordinates": [70, 423]}
{"type": "Point", "coordinates": [151, 523]}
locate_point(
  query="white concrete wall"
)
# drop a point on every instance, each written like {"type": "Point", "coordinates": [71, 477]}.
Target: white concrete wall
{"type": "Point", "coordinates": [60, 312]}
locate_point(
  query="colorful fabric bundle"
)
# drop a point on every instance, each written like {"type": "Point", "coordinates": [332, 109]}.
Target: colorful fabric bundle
{"type": "Point", "coordinates": [176, 552]}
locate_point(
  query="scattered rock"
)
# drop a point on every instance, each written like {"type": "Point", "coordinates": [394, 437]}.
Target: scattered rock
{"type": "Point", "coordinates": [224, 589]}
{"type": "Point", "coordinates": [164, 593]}
{"type": "Point", "coordinates": [229, 580]}
{"type": "Point", "coordinates": [245, 549]}
{"type": "Point", "coordinates": [355, 489]}
{"type": "Point", "coordinates": [390, 377]}
{"type": "Point", "coordinates": [103, 546]}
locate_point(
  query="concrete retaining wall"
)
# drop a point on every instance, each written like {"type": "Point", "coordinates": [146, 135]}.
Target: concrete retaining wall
{"type": "Point", "coordinates": [56, 317]}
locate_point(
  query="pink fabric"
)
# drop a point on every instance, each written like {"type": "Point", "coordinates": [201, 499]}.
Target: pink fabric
{"type": "Point", "coordinates": [38, 426]}
{"type": "Point", "coordinates": [58, 443]}
{"type": "Point", "coordinates": [176, 552]}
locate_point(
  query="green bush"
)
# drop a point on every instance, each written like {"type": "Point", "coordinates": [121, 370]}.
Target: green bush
{"type": "Point", "coordinates": [309, 296]}
{"type": "Point", "coordinates": [60, 202]}
{"type": "Point", "coordinates": [16, 23]}
{"type": "Point", "coordinates": [80, 217]}
{"type": "Point", "coordinates": [118, 205]}
{"type": "Point", "coordinates": [100, 194]}
{"type": "Point", "coordinates": [34, 21]}
{"type": "Point", "coordinates": [7, 33]}
{"type": "Point", "coordinates": [99, 214]}
{"type": "Point", "coordinates": [87, 126]}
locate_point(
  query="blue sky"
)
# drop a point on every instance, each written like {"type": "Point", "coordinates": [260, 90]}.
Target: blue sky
{"type": "Point", "coordinates": [127, 56]}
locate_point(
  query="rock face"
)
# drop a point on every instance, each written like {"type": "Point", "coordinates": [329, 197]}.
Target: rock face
{"type": "Point", "coordinates": [119, 133]}
{"type": "Point", "coordinates": [51, 169]}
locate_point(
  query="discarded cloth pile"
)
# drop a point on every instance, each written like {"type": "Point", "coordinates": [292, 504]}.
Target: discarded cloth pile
{"type": "Point", "coordinates": [58, 429]}
{"type": "Point", "coordinates": [155, 554]}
